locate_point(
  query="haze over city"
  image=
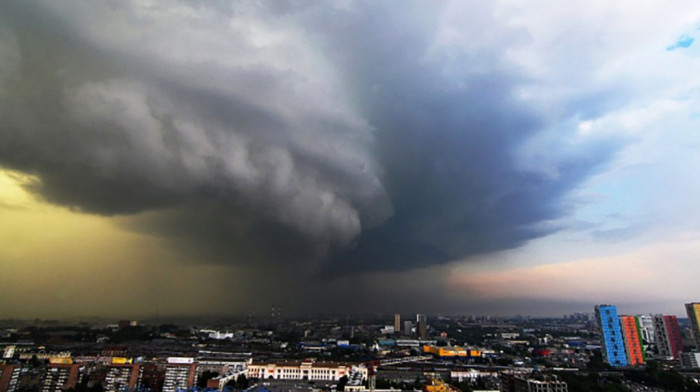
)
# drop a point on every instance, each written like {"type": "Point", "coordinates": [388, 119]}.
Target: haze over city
{"type": "Point", "coordinates": [454, 157]}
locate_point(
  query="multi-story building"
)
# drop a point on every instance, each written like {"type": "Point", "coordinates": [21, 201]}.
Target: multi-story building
{"type": "Point", "coordinates": [397, 323]}
{"type": "Point", "coordinates": [121, 377]}
{"type": "Point", "coordinates": [633, 340]}
{"type": "Point", "coordinates": [114, 351]}
{"type": "Point", "coordinates": [668, 336]}
{"type": "Point", "coordinates": [524, 382]}
{"type": "Point", "coordinates": [180, 374]}
{"type": "Point", "coordinates": [59, 377]}
{"type": "Point", "coordinates": [693, 310]}
{"type": "Point", "coordinates": [151, 377]}
{"type": "Point", "coordinates": [220, 366]}
{"type": "Point", "coordinates": [9, 377]}
{"type": "Point", "coordinates": [612, 341]}
{"type": "Point", "coordinates": [303, 370]}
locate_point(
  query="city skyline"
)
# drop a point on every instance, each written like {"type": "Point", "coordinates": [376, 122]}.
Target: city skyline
{"type": "Point", "coordinates": [515, 157]}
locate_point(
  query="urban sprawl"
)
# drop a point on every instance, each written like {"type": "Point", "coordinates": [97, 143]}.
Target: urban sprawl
{"type": "Point", "coordinates": [599, 351]}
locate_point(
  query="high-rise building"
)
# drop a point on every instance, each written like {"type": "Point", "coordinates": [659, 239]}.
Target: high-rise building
{"type": "Point", "coordinates": [397, 323]}
{"type": "Point", "coordinates": [407, 328]}
{"type": "Point", "coordinates": [422, 323]}
{"type": "Point", "coordinates": [693, 310]}
{"type": "Point", "coordinates": [633, 340]}
{"type": "Point", "coordinates": [668, 336]}
{"type": "Point", "coordinates": [612, 341]}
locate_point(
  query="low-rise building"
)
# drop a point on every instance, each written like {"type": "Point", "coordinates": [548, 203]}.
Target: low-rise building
{"type": "Point", "coordinates": [690, 360]}
{"type": "Point", "coordinates": [303, 370]}
{"type": "Point", "coordinates": [452, 351]}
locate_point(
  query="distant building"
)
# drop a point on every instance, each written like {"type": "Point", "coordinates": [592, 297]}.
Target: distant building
{"type": "Point", "coordinates": [114, 351]}
{"type": "Point", "coordinates": [422, 323]}
{"type": "Point", "coordinates": [612, 341]}
{"type": "Point", "coordinates": [524, 382]}
{"type": "Point", "coordinates": [407, 328]}
{"type": "Point", "coordinates": [407, 343]}
{"type": "Point", "coordinates": [397, 323]}
{"type": "Point", "coordinates": [471, 374]}
{"type": "Point", "coordinates": [451, 352]}
{"type": "Point", "coordinates": [387, 330]}
{"type": "Point", "coordinates": [693, 310]}
{"type": "Point", "coordinates": [633, 340]}
{"type": "Point", "coordinates": [668, 336]}
{"type": "Point", "coordinates": [127, 323]}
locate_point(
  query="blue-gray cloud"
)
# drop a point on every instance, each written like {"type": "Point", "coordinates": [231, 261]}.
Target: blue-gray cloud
{"type": "Point", "coordinates": [341, 136]}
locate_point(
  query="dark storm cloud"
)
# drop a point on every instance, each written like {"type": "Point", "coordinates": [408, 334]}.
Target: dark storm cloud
{"type": "Point", "coordinates": [346, 137]}
{"type": "Point", "coordinates": [447, 129]}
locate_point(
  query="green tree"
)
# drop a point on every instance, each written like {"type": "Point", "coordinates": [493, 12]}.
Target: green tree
{"type": "Point", "coordinates": [206, 376]}
{"type": "Point", "coordinates": [342, 382]}
{"type": "Point", "coordinates": [242, 382]}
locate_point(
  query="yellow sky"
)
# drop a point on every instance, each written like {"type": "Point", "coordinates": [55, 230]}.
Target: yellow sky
{"type": "Point", "coordinates": [55, 262]}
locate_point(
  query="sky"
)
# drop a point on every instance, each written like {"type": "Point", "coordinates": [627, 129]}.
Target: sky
{"type": "Point", "coordinates": [350, 157]}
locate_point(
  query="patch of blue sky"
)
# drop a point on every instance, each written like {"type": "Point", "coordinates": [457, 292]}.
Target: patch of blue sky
{"type": "Point", "coordinates": [619, 194]}
{"type": "Point", "coordinates": [683, 42]}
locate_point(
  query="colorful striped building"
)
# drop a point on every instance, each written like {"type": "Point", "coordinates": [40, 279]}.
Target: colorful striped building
{"type": "Point", "coordinates": [634, 348]}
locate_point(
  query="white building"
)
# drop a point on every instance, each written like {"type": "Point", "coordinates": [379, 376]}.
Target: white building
{"type": "Point", "coordinates": [471, 374]}
{"type": "Point", "coordinates": [646, 328]}
{"type": "Point", "coordinates": [303, 370]}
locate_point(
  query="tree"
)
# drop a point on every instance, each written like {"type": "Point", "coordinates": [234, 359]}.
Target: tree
{"type": "Point", "coordinates": [206, 376]}
{"type": "Point", "coordinates": [242, 382]}
{"type": "Point", "coordinates": [341, 383]}
{"type": "Point", "coordinates": [417, 384]}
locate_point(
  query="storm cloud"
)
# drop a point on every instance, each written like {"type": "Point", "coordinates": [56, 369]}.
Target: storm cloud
{"type": "Point", "coordinates": [343, 137]}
